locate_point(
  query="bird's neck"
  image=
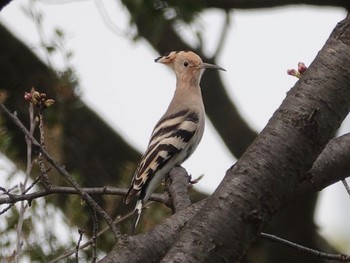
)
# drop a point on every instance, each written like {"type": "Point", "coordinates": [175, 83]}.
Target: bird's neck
{"type": "Point", "coordinates": [187, 82]}
{"type": "Point", "coordinates": [187, 97]}
{"type": "Point", "coordinates": [188, 89]}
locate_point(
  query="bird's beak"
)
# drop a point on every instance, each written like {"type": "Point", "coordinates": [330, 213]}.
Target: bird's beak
{"type": "Point", "coordinates": [207, 65]}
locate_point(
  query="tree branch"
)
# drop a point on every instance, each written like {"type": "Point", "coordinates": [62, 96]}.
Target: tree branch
{"type": "Point", "coordinates": [338, 148]}
{"type": "Point", "coordinates": [266, 176]}
{"type": "Point", "coordinates": [117, 221]}
{"type": "Point", "coordinates": [337, 257]}
{"type": "Point", "coordinates": [152, 246]}
{"type": "Point", "coordinates": [106, 190]}
{"type": "Point", "coordinates": [256, 4]}
{"type": "Point", "coordinates": [178, 189]}
{"type": "Point", "coordinates": [62, 171]}
{"type": "Point", "coordinates": [223, 35]}
{"type": "Point", "coordinates": [346, 186]}
{"type": "Point", "coordinates": [331, 166]}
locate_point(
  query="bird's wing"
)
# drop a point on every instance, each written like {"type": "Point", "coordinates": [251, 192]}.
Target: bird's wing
{"type": "Point", "coordinates": [170, 136]}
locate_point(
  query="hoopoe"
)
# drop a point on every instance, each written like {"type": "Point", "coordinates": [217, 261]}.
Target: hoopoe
{"type": "Point", "coordinates": [177, 133]}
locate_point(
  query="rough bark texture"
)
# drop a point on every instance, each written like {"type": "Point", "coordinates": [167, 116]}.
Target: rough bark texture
{"type": "Point", "coordinates": [151, 247]}
{"type": "Point", "coordinates": [266, 176]}
{"type": "Point", "coordinates": [177, 184]}
{"type": "Point", "coordinates": [332, 162]}
{"type": "Point", "coordinates": [322, 174]}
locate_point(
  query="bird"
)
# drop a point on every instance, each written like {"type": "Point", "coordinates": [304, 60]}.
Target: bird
{"type": "Point", "coordinates": [177, 133]}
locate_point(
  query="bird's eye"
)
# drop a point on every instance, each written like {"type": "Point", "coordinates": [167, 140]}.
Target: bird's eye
{"type": "Point", "coordinates": [185, 63]}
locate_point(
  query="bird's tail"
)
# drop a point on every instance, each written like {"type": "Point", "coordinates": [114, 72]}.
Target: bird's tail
{"type": "Point", "coordinates": [136, 215]}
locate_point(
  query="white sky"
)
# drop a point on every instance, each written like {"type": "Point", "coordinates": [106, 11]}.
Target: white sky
{"type": "Point", "coordinates": [120, 80]}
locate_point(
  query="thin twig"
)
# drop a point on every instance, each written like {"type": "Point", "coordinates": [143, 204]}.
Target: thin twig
{"type": "Point", "coordinates": [81, 232]}
{"type": "Point", "coordinates": [106, 190]}
{"type": "Point", "coordinates": [223, 35]}
{"type": "Point", "coordinates": [88, 243]}
{"type": "Point", "coordinates": [41, 127]}
{"type": "Point", "coordinates": [42, 165]}
{"type": "Point", "coordinates": [94, 233]}
{"type": "Point", "coordinates": [3, 211]}
{"type": "Point", "coordinates": [23, 206]}
{"type": "Point", "coordinates": [347, 188]}
{"type": "Point", "coordinates": [107, 19]}
{"type": "Point", "coordinates": [63, 172]}
{"type": "Point", "coordinates": [36, 16]}
{"type": "Point", "coordinates": [32, 184]}
{"type": "Point", "coordinates": [8, 191]}
{"type": "Point", "coordinates": [337, 257]}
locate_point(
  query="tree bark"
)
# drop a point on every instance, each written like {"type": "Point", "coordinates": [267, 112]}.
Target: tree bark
{"type": "Point", "coordinates": [153, 246]}
{"type": "Point", "coordinates": [266, 177]}
{"type": "Point", "coordinates": [234, 132]}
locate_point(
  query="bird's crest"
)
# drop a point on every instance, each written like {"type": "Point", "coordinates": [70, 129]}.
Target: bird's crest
{"type": "Point", "coordinates": [168, 57]}
{"type": "Point", "coordinates": [172, 56]}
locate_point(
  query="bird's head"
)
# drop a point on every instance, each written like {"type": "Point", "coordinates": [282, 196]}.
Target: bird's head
{"type": "Point", "coordinates": [188, 66]}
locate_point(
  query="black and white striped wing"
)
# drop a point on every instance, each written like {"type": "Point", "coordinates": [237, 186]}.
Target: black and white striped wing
{"type": "Point", "coordinates": [171, 136]}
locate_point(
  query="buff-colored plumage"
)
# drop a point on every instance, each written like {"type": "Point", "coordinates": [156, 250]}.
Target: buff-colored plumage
{"type": "Point", "coordinates": [177, 133]}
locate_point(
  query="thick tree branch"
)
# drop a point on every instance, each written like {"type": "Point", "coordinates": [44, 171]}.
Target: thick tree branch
{"type": "Point", "coordinates": [116, 221]}
{"type": "Point", "coordinates": [323, 175]}
{"type": "Point", "coordinates": [152, 246]}
{"type": "Point", "coordinates": [331, 166]}
{"type": "Point", "coordinates": [78, 125]}
{"type": "Point", "coordinates": [266, 176]}
{"type": "Point", "coordinates": [178, 189]}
